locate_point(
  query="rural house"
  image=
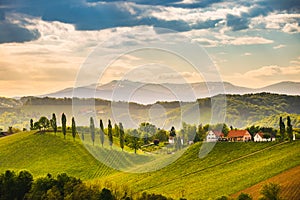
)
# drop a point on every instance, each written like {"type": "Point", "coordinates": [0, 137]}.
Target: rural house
{"type": "Point", "coordinates": [259, 137]}
{"type": "Point", "coordinates": [214, 136]}
{"type": "Point", "coordinates": [239, 135]}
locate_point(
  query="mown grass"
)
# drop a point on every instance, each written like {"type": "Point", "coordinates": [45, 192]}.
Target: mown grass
{"type": "Point", "coordinates": [227, 169]}
{"type": "Point", "coordinates": [215, 175]}
{"type": "Point", "coordinates": [47, 153]}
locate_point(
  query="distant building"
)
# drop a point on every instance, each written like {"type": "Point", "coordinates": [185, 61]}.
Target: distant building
{"type": "Point", "coordinates": [171, 140]}
{"type": "Point", "coordinates": [259, 137]}
{"type": "Point", "coordinates": [239, 135]}
{"type": "Point", "coordinates": [214, 136]}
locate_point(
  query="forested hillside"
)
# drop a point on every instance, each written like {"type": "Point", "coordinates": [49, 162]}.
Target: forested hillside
{"type": "Point", "coordinates": [241, 110]}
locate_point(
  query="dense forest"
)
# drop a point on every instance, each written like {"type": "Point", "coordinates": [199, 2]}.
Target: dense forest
{"type": "Point", "coordinates": [241, 110]}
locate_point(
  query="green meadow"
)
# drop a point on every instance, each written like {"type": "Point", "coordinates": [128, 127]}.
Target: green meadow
{"type": "Point", "coordinates": [227, 169]}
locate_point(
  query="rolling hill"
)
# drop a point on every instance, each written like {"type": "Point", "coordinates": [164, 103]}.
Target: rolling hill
{"type": "Point", "coordinates": [149, 93]}
{"type": "Point", "coordinates": [228, 168]}
{"type": "Point", "coordinates": [240, 110]}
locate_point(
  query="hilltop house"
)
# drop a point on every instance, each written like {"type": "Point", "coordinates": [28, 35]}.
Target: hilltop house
{"type": "Point", "coordinates": [214, 136]}
{"type": "Point", "coordinates": [239, 135]}
{"type": "Point", "coordinates": [259, 137]}
{"type": "Point", "coordinates": [171, 140]}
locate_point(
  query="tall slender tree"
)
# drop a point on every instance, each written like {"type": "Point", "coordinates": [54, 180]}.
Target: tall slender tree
{"type": "Point", "coordinates": [92, 129]}
{"type": "Point", "coordinates": [53, 123]}
{"type": "Point", "coordinates": [73, 128]}
{"type": "Point", "coordinates": [31, 124]}
{"type": "Point", "coordinates": [281, 128]}
{"type": "Point", "coordinates": [109, 133]}
{"type": "Point", "coordinates": [122, 137]}
{"type": "Point", "coordinates": [116, 131]}
{"type": "Point", "coordinates": [173, 132]}
{"type": "Point", "coordinates": [101, 132]}
{"type": "Point", "coordinates": [289, 128]}
{"type": "Point", "coordinates": [64, 124]}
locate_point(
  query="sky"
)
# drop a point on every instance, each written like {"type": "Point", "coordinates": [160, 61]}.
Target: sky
{"type": "Point", "coordinates": [44, 45]}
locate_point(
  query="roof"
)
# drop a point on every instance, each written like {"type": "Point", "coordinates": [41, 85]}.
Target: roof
{"type": "Point", "coordinates": [237, 133]}
{"type": "Point", "coordinates": [261, 134]}
{"type": "Point", "coordinates": [218, 133]}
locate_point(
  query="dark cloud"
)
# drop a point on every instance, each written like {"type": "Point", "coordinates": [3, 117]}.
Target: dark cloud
{"type": "Point", "coordinates": [237, 23]}
{"type": "Point", "coordinates": [173, 3]}
{"type": "Point", "coordinates": [287, 5]}
{"type": "Point", "coordinates": [115, 13]}
{"type": "Point", "coordinates": [15, 33]}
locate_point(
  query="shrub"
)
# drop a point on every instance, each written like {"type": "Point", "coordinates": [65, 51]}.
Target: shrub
{"type": "Point", "coordinates": [270, 191]}
{"type": "Point", "coordinates": [244, 196]}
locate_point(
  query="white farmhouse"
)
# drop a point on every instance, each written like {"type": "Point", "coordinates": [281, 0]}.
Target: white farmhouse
{"type": "Point", "coordinates": [213, 136]}
{"type": "Point", "coordinates": [259, 137]}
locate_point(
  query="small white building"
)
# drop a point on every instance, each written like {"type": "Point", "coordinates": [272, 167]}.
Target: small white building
{"type": "Point", "coordinates": [213, 136]}
{"type": "Point", "coordinates": [259, 137]}
{"type": "Point", "coordinates": [171, 140]}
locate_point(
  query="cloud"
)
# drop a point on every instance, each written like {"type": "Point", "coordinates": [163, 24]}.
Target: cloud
{"type": "Point", "coordinates": [237, 23]}
{"type": "Point", "coordinates": [247, 54]}
{"type": "Point", "coordinates": [286, 22]}
{"type": "Point", "coordinates": [291, 28]}
{"type": "Point", "coordinates": [296, 61]}
{"type": "Point", "coordinates": [279, 46]}
{"type": "Point", "coordinates": [16, 30]}
{"type": "Point", "coordinates": [264, 75]}
{"type": "Point", "coordinates": [248, 41]}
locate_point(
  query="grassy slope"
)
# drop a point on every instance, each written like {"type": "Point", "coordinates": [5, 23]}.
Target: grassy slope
{"type": "Point", "coordinates": [288, 180]}
{"type": "Point", "coordinates": [229, 168]}
{"type": "Point", "coordinates": [215, 175]}
{"type": "Point", "coordinates": [46, 153]}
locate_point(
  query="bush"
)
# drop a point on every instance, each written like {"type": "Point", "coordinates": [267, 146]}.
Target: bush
{"type": "Point", "coordinates": [244, 196]}
{"type": "Point", "coordinates": [270, 191]}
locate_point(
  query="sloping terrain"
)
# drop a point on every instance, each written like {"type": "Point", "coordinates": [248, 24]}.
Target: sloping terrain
{"type": "Point", "coordinates": [227, 169]}
{"type": "Point", "coordinates": [288, 180]}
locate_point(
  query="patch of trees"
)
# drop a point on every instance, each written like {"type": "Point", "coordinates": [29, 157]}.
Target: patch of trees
{"type": "Point", "coordinates": [269, 191]}
{"type": "Point", "coordinates": [22, 186]}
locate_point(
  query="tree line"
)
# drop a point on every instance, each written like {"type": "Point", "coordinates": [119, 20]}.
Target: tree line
{"type": "Point", "coordinates": [148, 133]}
{"type": "Point", "coordinates": [22, 186]}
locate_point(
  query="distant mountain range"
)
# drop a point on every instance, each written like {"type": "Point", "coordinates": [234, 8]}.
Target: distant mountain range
{"type": "Point", "coordinates": [147, 93]}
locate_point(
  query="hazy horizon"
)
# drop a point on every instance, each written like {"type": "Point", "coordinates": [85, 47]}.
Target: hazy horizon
{"type": "Point", "coordinates": [43, 46]}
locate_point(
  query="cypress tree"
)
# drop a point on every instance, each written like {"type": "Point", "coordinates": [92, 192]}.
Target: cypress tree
{"type": "Point", "coordinates": [31, 124]}
{"type": "Point", "coordinates": [101, 132]}
{"type": "Point", "coordinates": [122, 137]}
{"type": "Point", "coordinates": [73, 128]}
{"type": "Point", "coordinates": [109, 133]}
{"type": "Point", "coordinates": [289, 128]}
{"type": "Point", "coordinates": [53, 123]}
{"type": "Point", "coordinates": [92, 130]}
{"type": "Point", "coordinates": [64, 124]}
{"type": "Point", "coordinates": [281, 128]}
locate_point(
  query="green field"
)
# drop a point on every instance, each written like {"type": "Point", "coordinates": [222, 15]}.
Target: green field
{"type": "Point", "coordinates": [228, 168]}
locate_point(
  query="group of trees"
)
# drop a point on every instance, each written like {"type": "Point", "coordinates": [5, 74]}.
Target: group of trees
{"type": "Point", "coordinates": [288, 129]}
{"type": "Point", "coordinates": [269, 191]}
{"type": "Point", "coordinates": [147, 133]}
{"type": "Point", "coordinates": [22, 186]}
{"type": "Point", "coordinates": [44, 123]}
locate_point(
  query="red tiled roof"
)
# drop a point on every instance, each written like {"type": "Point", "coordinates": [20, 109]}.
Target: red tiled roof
{"type": "Point", "coordinates": [218, 133]}
{"type": "Point", "coordinates": [237, 133]}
